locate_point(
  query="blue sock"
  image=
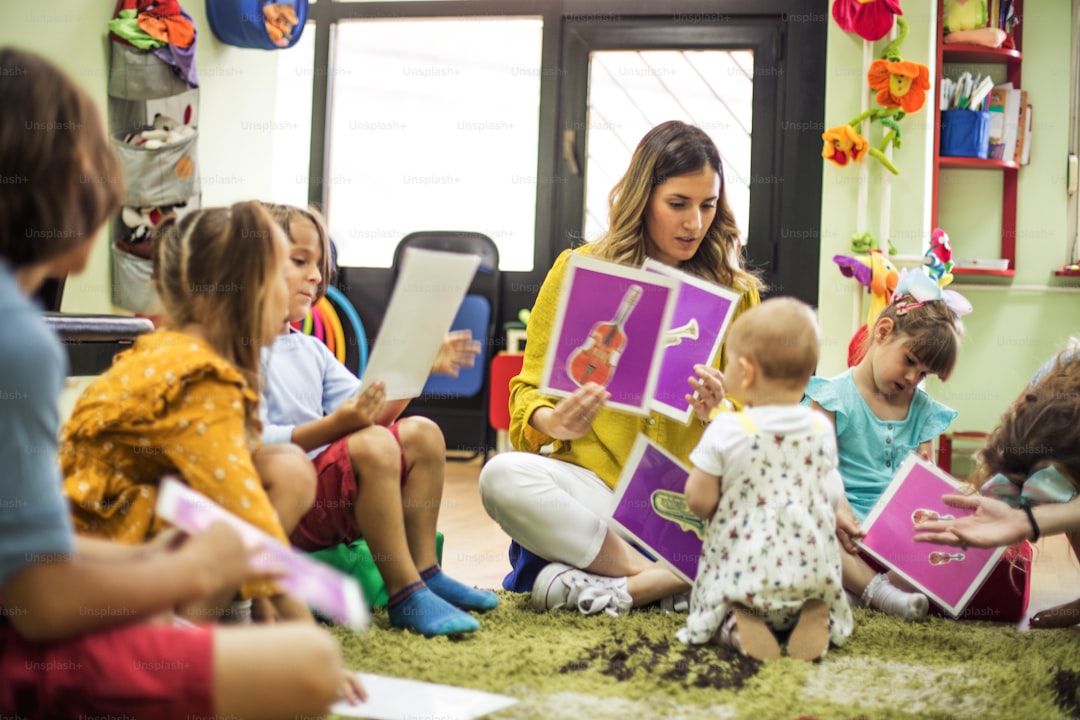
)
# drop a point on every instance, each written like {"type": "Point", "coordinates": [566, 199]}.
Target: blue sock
{"type": "Point", "coordinates": [453, 592]}
{"type": "Point", "coordinates": [415, 607]}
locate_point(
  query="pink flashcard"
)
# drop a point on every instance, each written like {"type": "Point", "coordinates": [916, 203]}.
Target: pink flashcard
{"type": "Point", "coordinates": [329, 591]}
{"type": "Point", "coordinates": [949, 576]}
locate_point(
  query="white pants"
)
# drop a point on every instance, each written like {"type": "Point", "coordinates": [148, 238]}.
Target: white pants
{"type": "Point", "coordinates": [554, 509]}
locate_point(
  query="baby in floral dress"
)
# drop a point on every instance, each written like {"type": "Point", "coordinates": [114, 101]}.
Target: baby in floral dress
{"type": "Point", "coordinates": [766, 478]}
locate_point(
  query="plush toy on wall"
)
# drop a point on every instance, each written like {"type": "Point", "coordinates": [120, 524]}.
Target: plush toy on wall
{"type": "Point", "coordinates": [939, 253]}
{"type": "Point", "coordinates": [873, 269]}
{"type": "Point", "coordinates": [164, 131]}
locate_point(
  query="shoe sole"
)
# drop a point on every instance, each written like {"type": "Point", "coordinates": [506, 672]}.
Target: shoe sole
{"type": "Point", "coordinates": [810, 638]}
{"type": "Point", "coordinates": [545, 580]}
{"type": "Point", "coordinates": [755, 637]}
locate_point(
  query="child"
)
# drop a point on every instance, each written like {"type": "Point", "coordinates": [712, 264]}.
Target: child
{"type": "Point", "coordinates": [76, 631]}
{"type": "Point", "coordinates": [377, 478]}
{"type": "Point", "coordinates": [185, 400]}
{"type": "Point", "coordinates": [881, 415]}
{"type": "Point", "coordinates": [767, 479]}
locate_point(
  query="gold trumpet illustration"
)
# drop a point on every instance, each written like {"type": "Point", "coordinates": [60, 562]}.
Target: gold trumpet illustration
{"type": "Point", "coordinates": [674, 336]}
{"type": "Point", "coordinates": [672, 507]}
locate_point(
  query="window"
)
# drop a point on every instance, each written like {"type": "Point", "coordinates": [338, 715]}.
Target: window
{"type": "Point", "coordinates": [292, 120]}
{"type": "Point", "coordinates": [632, 91]}
{"type": "Point", "coordinates": [434, 125]}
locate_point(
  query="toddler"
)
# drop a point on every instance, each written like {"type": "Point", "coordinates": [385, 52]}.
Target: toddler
{"type": "Point", "coordinates": [766, 478]}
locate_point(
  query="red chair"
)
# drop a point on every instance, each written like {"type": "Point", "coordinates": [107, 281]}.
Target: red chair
{"type": "Point", "coordinates": [504, 367]}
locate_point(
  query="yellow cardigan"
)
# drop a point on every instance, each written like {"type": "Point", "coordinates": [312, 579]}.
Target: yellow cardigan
{"type": "Point", "coordinates": [168, 405]}
{"type": "Point", "coordinates": [605, 449]}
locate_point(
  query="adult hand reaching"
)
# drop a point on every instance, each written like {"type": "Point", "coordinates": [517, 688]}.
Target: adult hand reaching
{"type": "Point", "coordinates": [574, 415]}
{"type": "Point", "coordinates": [993, 523]}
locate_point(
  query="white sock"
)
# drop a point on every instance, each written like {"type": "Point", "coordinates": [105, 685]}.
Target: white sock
{"type": "Point", "coordinates": [891, 600]}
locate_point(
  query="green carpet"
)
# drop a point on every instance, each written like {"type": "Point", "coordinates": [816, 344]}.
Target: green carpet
{"type": "Point", "coordinates": [565, 665]}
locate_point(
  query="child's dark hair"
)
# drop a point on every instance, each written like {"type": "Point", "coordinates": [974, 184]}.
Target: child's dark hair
{"type": "Point", "coordinates": [1041, 427]}
{"type": "Point", "coordinates": [930, 330]}
{"type": "Point", "coordinates": [285, 215]}
{"type": "Point", "coordinates": [63, 179]}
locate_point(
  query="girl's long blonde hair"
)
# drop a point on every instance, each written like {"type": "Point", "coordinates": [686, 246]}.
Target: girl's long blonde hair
{"type": "Point", "coordinates": [672, 149]}
{"type": "Point", "coordinates": [213, 267]}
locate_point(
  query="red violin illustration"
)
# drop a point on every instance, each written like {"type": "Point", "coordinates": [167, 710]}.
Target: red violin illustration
{"type": "Point", "coordinates": [596, 359]}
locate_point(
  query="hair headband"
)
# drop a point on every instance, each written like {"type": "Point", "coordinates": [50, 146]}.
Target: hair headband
{"type": "Point", "coordinates": [914, 289]}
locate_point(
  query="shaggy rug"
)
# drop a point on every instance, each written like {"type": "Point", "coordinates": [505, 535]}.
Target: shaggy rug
{"type": "Point", "coordinates": [563, 665]}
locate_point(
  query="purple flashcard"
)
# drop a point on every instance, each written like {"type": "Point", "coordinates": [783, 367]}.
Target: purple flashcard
{"type": "Point", "coordinates": [332, 593]}
{"type": "Point", "coordinates": [949, 576]}
{"type": "Point", "coordinates": [698, 325]}
{"type": "Point", "coordinates": [649, 507]}
{"type": "Point", "coordinates": [609, 330]}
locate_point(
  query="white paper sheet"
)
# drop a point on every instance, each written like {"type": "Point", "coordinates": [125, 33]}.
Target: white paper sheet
{"type": "Point", "coordinates": [391, 698]}
{"type": "Point", "coordinates": [422, 307]}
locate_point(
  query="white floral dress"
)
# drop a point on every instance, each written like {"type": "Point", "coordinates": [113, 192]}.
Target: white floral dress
{"type": "Point", "coordinates": [771, 544]}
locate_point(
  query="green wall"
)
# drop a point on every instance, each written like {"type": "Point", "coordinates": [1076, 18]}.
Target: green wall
{"type": "Point", "coordinates": [1015, 325]}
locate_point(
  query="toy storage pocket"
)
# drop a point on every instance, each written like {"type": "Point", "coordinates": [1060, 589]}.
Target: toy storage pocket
{"type": "Point", "coordinates": [132, 288]}
{"type": "Point", "coordinates": [141, 75]}
{"type": "Point", "coordinates": [161, 176]}
{"type": "Point", "coordinates": [243, 23]}
{"type": "Point", "coordinates": [965, 133]}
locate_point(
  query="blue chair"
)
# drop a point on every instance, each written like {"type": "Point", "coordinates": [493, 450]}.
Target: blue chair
{"type": "Point", "coordinates": [460, 405]}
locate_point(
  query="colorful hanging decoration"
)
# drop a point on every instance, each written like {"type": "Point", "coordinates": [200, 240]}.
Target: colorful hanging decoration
{"type": "Point", "coordinates": [902, 88]}
{"type": "Point", "coordinates": [869, 19]}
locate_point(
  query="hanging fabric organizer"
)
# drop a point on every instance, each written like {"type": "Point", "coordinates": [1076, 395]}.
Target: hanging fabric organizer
{"type": "Point", "coordinates": [153, 120]}
{"type": "Point", "coordinates": [257, 23]}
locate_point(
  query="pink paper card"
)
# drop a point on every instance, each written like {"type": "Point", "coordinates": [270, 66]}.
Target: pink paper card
{"type": "Point", "coordinates": [949, 576]}
{"type": "Point", "coordinates": [329, 591]}
{"type": "Point", "coordinates": [699, 322]}
{"type": "Point", "coordinates": [609, 330]}
{"type": "Point", "coordinates": [649, 507]}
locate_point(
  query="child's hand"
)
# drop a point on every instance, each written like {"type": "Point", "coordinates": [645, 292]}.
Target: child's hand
{"type": "Point", "coordinates": [458, 350]}
{"type": "Point", "coordinates": [360, 412]}
{"type": "Point", "coordinates": [352, 691]}
{"type": "Point", "coordinates": [847, 528]}
{"type": "Point", "coordinates": [708, 391]}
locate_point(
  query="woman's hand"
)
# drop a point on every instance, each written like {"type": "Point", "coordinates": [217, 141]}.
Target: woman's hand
{"type": "Point", "coordinates": [573, 416]}
{"type": "Point", "coordinates": [458, 350]}
{"type": "Point", "coordinates": [708, 391]}
{"type": "Point", "coordinates": [994, 523]}
{"type": "Point", "coordinates": [360, 411]}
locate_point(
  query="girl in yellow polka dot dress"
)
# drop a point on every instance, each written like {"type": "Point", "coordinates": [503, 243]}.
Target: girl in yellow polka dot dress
{"type": "Point", "coordinates": [185, 400]}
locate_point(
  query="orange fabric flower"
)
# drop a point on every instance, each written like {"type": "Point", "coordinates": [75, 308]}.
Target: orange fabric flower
{"type": "Point", "coordinates": [900, 84]}
{"type": "Point", "coordinates": [843, 144]}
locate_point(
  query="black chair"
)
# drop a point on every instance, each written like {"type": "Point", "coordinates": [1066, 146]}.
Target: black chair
{"type": "Point", "coordinates": [91, 341]}
{"type": "Point", "coordinates": [460, 405]}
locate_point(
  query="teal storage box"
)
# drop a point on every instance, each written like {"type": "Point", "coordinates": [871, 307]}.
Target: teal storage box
{"type": "Point", "coordinates": [355, 559]}
{"type": "Point", "coordinates": [965, 133]}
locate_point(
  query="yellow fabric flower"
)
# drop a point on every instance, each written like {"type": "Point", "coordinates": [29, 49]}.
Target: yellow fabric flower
{"type": "Point", "coordinates": [843, 144]}
{"type": "Point", "coordinates": [900, 84]}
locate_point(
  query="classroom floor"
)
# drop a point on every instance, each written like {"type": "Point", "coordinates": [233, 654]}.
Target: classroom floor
{"type": "Point", "coordinates": [475, 547]}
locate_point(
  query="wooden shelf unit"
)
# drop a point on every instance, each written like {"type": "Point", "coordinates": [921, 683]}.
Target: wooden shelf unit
{"type": "Point", "coordinates": [949, 54]}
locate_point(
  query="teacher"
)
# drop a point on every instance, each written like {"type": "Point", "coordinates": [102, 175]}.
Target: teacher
{"type": "Point", "coordinates": [552, 496]}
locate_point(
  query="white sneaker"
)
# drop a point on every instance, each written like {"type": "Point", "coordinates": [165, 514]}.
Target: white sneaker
{"type": "Point", "coordinates": [558, 586]}
{"type": "Point", "coordinates": [677, 603]}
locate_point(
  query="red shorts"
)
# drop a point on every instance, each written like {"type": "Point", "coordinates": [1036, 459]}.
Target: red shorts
{"type": "Point", "coordinates": [139, 671]}
{"type": "Point", "coordinates": [331, 519]}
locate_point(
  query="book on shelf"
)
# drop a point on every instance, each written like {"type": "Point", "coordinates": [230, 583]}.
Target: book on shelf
{"type": "Point", "coordinates": [1021, 128]}
{"type": "Point", "coordinates": [1025, 151]}
{"type": "Point", "coordinates": [1005, 104]}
